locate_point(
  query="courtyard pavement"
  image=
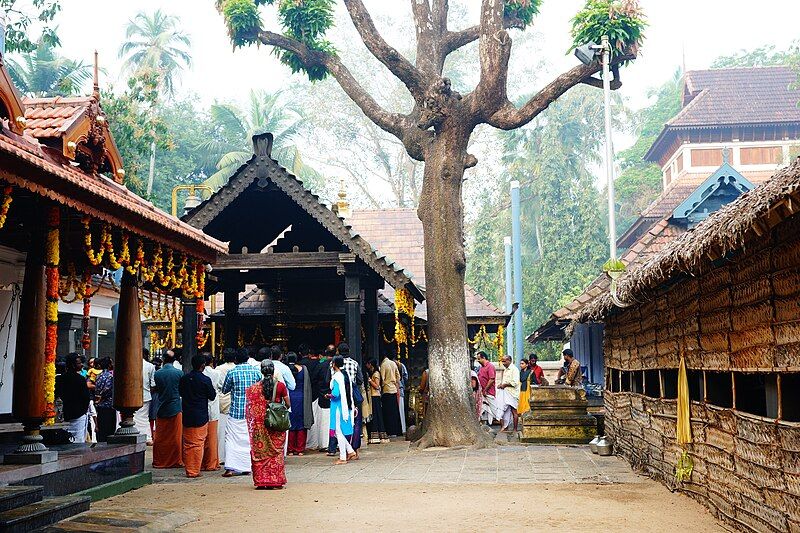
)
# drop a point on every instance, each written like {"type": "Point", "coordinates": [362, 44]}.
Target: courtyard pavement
{"type": "Point", "coordinates": [398, 463]}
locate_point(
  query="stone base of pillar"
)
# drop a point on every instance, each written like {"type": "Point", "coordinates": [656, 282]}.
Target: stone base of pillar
{"type": "Point", "coordinates": [30, 458]}
{"type": "Point", "coordinates": [126, 432]}
{"type": "Point", "coordinates": [31, 450]}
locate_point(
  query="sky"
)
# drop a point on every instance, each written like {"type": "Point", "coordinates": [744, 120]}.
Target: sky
{"type": "Point", "coordinates": [696, 31]}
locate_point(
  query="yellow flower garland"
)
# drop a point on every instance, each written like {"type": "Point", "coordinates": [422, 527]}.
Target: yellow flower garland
{"type": "Point", "coordinates": [51, 311]}
{"type": "Point", "coordinates": [5, 204]}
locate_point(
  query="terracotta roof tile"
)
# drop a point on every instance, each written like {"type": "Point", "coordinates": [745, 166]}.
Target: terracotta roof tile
{"type": "Point", "coordinates": [398, 234]}
{"type": "Point", "coordinates": [98, 196]}
{"type": "Point", "coordinates": [50, 117]}
{"type": "Point", "coordinates": [738, 96]}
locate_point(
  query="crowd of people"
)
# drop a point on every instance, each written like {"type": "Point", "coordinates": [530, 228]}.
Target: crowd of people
{"type": "Point", "coordinates": [217, 415]}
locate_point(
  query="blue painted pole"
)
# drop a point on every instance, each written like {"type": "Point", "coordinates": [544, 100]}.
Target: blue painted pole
{"type": "Point", "coordinates": [516, 245]}
{"type": "Point", "coordinates": [509, 296]}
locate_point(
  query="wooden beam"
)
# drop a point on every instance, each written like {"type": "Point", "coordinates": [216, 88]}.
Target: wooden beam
{"type": "Point", "coordinates": [279, 260]}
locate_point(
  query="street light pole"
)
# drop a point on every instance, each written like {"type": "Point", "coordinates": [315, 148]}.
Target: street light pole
{"type": "Point", "coordinates": [612, 222]}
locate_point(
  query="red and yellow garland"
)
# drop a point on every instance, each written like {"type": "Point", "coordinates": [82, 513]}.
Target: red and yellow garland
{"type": "Point", "coordinates": [86, 339]}
{"type": "Point", "coordinates": [51, 311]}
{"type": "Point", "coordinates": [5, 204]}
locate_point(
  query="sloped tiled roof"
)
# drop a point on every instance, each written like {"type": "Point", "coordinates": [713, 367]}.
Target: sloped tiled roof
{"type": "Point", "coordinates": [51, 117]}
{"type": "Point", "coordinates": [398, 234]}
{"type": "Point", "coordinates": [647, 246]}
{"type": "Point", "coordinates": [732, 97]}
{"type": "Point", "coordinates": [261, 167]}
{"type": "Point", "coordinates": [45, 172]}
{"type": "Point", "coordinates": [736, 96]}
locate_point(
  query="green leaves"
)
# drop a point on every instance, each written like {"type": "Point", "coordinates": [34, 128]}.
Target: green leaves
{"type": "Point", "coordinates": [623, 21]}
{"type": "Point", "coordinates": [305, 21]}
{"type": "Point", "coordinates": [521, 11]}
{"type": "Point", "coordinates": [243, 21]}
{"type": "Point", "coordinates": [22, 19]}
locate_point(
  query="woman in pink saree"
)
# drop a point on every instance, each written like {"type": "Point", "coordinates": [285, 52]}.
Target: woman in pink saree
{"type": "Point", "coordinates": [266, 446]}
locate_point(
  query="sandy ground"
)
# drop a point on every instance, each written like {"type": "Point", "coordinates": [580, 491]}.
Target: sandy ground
{"type": "Point", "coordinates": [645, 506]}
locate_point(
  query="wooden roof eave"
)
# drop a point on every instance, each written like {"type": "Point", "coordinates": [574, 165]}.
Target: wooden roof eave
{"type": "Point", "coordinates": [12, 101]}
{"type": "Point", "coordinates": [46, 179]}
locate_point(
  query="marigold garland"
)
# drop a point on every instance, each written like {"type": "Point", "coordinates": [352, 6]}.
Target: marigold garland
{"type": "Point", "coordinates": [51, 311]}
{"type": "Point", "coordinates": [5, 204]}
{"type": "Point", "coordinates": [86, 339]}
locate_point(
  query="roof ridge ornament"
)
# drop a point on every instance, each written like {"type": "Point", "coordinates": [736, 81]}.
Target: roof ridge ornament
{"type": "Point", "coordinates": [726, 155]}
{"type": "Point", "coordinates": [262, 144]}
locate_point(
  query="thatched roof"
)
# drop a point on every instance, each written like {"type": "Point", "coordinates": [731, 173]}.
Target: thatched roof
{"type": "Point", "coordinates": [733, 228]}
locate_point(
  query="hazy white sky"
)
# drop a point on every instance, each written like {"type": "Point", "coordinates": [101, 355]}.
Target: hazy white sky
{"type": "Point", "coordinates": [705, 29]}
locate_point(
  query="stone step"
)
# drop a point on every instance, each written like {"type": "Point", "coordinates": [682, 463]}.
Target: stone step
{"type": "Point", "coordinates": [41, 514]}
{"type": "Point", "coordinates": [17, 496]}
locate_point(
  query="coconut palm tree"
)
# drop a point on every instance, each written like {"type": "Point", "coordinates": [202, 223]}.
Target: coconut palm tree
{"type": "Point", "coordinates": [154, 42]}
{"type": "Point", "coordinates": [229, 147]}
{"type": "Point", "coordinates": [45, 73]}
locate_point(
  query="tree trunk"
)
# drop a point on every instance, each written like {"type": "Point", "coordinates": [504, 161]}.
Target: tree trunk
{"type": "Point", "coordinates": [451, 419]}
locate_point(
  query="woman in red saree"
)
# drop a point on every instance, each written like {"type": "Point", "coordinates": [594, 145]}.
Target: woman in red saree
{"type": "Point", "coordinates": [266, 446]}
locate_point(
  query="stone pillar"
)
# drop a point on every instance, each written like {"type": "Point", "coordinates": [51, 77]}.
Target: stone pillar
{"type": "Point", "coordinates": [128, 362]}
{"type": "Point", "coordinates": [189, 334]}
{"type": "Point", "coordinates": [231, 318]}
{"type": "Point", "coordinates": [372, 345]}
{"type": "Point", "coordinates": [29, 403]}
{"type": "Point", "coordinates": [352, 314]}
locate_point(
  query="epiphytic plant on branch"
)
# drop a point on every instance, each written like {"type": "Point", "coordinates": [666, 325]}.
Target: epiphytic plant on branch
{"type": "Point", "coordinates": [437, 131]}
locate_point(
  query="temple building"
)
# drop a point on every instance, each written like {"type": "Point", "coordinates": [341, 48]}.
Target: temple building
{"type": "Point", "coordinates": [736, 127]}
{"type": "Point", "coordinates": [66, 221]}
{"type": "Point", "coordinates": [303, 273]}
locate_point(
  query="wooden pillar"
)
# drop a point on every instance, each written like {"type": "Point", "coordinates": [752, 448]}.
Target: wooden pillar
{"type": "Point", "coordinates": [352, 314]}
{"type": "Point", "coordinates": [128, 358]}
{"type": "Point", "coordinates": [29, 403]}
{"type": "Point", "coordinates": [372, 347]}
{"type": "Point", "coordinates": [189, 334]}
{"type": "Point", "coordinates": [231, 318]}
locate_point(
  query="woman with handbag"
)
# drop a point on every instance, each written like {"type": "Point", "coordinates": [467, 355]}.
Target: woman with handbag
{"type": "Point", "coordinates": [267, 418]}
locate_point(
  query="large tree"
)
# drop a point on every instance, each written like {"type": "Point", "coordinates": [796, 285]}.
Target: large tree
{"type": "Point", "coordinates": [437, 131]}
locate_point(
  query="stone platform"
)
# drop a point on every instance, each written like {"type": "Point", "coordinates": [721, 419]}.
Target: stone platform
{"type": "Point", "coordinates": [558, 415]}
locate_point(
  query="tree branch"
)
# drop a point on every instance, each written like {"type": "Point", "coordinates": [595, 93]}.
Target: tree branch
{"type": "Point", "coordinates": [393, 123]}
{"type": "Point", "coordinates": [494, 47]}
{"type": "Point", "coordinates": [509, 117]}
{"type": "Point", "coordinates": [453, 40]}
{"type": "Point", "coordinates": [393, 60]}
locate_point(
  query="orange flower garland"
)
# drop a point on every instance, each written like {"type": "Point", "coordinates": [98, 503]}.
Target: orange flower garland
{"type": "Point", "coordinates": [86, 340]}
{"type": "Point", "coordinates": [5, 204]}
{"type": "Point", "coordinates": [51, 311]}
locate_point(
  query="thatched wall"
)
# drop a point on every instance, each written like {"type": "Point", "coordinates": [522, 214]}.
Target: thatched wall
{"type": "Point", "coordinates": [739, 315]}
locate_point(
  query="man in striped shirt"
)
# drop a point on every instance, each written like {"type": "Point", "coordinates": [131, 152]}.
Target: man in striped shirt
{"type": "Point", "coordinates": [237, 438]}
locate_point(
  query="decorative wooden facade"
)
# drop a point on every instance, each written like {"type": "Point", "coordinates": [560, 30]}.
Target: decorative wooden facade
{"type": "Point", "coordinates": [66, 211]}
{"type": "Point", "coordinates": [310, 278]}
{"type": "Point", "coordinates": [725, 298]}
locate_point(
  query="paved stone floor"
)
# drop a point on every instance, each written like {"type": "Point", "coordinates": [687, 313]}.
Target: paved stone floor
{"type": "Point", "coordinates": [398, 463]}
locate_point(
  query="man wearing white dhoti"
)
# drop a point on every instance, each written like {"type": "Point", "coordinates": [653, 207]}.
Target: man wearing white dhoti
{"type": "Point", "coordinates": [141, 418]}
{"type": "Point", "coordinates": [237, 437]}
{"type": "Point", "coordinates": [229, 354]}
{"type": "Point", "coordinates": [508, 395]}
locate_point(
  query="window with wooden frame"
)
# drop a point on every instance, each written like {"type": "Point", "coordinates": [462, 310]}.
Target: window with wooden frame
{"type": "Point", "coordinates": [637, 382]}
{"type": "Point", "coordinates": [761, 155]}
{"type": "Point", "coordinates": [625, 381]}
{"type": "Point", "coordinates": [706, 157]}
{"type": "Point", "coordinates": [695, 379]}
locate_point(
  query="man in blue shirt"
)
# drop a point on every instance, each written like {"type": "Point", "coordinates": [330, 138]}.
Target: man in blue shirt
{"type": "Point", "coordinates": [169, 421]}
{"type": "Point", "coordinates": [237, 437]}
{"type": "Point", "coordinates": [196, 391]}
{"type": "Point", "coordinates": [282, 371]}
